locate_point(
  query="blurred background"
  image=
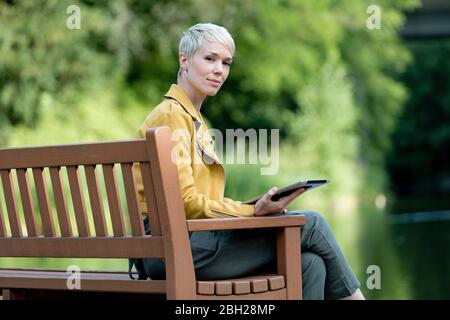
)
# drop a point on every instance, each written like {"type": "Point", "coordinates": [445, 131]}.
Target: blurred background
{"type": "Point", "coordinates": [367, 108]}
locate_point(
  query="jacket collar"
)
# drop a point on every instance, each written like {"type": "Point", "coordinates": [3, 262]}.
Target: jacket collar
{"type": "Point", "coordinates": [177, 93]}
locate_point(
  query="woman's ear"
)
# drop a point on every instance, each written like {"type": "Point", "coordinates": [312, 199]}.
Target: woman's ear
{"type": "Point", "coordinates": [183, 61]}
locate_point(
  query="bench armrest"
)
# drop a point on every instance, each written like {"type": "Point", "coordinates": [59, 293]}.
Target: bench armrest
{"type": "Point", "coordinates": [245, 223]}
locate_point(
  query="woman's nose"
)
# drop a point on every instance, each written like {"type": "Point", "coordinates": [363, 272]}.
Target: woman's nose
{"type": "Point", "coordinates": [218, 68]}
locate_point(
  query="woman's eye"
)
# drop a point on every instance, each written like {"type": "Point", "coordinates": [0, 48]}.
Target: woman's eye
{"type": "Point", "coordinates": [210, 58]}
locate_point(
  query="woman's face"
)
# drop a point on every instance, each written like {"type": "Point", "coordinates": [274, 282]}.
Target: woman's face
{"type": "Point", "coordinates": [208, 69]}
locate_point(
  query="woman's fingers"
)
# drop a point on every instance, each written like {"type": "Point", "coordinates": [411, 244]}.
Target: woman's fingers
{"type": "Point", "coordinates": [265, 205]}
{"type": "Point", "coordinates": [269, 194]}
{"type": "Point", "coordinates": [262, 206]}
{"type": "Point", "coordinates": [288, 199]}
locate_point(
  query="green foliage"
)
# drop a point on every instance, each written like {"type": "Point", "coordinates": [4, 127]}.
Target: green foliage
{"type": "Point", "coordinates": [42, 58]}
{"type": "Point", "coordinates": [326, 143]}
{"type": "Point", "coordinates": [93, 119]}
{"type": "Point", "coordinates": [422, 136]}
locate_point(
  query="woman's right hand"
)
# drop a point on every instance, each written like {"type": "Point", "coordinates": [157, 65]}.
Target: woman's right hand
{"type": "Point", "coordinates": [266, 206]}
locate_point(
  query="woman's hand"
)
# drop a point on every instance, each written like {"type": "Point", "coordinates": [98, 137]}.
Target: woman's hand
{"type": "Point", "coordinates": [266, 206]}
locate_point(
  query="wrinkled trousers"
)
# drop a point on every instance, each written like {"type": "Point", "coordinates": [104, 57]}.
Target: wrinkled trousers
{"type": "Point", "coordinates": [226, 254]}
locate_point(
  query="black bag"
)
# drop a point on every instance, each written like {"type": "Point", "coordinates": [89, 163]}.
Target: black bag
{"type": "Point", "coordinates": [139, 263]}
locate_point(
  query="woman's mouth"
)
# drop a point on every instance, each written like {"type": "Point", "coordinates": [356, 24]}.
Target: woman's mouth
{"type": "Point", "coordinates": [214, 83]}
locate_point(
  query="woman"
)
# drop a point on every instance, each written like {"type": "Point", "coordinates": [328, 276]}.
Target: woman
{"type": "Point", "coordinates": [205, 55]}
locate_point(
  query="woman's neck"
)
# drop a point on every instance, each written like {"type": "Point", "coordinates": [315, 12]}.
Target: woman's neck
{"type": "Point", "coordinates": [196, 98]}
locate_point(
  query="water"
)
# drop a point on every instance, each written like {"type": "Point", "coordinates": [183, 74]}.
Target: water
{"type": "Point", "coordinates": [410, 248]}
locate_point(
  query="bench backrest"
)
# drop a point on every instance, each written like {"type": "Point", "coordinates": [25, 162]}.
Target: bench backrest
{"type": "Point", "coordinates": [161, 188]}
{"type": "Point", "coordinates": [46, 164]}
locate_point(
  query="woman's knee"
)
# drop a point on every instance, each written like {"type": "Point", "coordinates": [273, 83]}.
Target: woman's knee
{"type": "Point", "coordinates": [313, 218]}
{"type": "Point", "coordinates": [316, 216]}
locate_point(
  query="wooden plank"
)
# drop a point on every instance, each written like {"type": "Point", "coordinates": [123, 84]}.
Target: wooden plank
{"type": "Point", "coordinates": [44, 203]}
{"type": "Point", "coordinates": [61, 203]}
{"type": "Point", "coordinates": [268, 295]}
{"type": "Point", "coordinates": [205, 287]}
{"type": "Point", "coordinates": [87, 247]}
{"type": "Point", "coordinates": [137, 226]}
{"type": "Point", "coordinates": [115, 207]}
{"type": "Point", "coordinates": [90, 281]}
{"type": "Point", "coordinates": [27, 202]}
{"type": "Point", "coordinates": [149, 193]}
{"type": "Point", "coordinates": [259, 285]}
{"type": "Point", "coordinates": [245, 223]}
{"type": "Point", "coordinates": [2, 223]}
{"type": "Point", "coordinates": [75, 154]}
{"type": "Point", "coordinates": [180, 285]}
{"type": "Point", "coordinates": [241, 287]}
{"type": "Point", "coordinates": [79, 206]}
{"type": "Point", "coordinates": [245, 285]}
{"type": "Point", "coordinates": [223, 288]}
{"type": "Point", "coordinates": [276, 282]}
{"type": "Point", "coordinates": [11, 203]}
{"type": "Point", "coordinates": [96, 201]}
{"type": "Point", "coordinates": [289, 261]}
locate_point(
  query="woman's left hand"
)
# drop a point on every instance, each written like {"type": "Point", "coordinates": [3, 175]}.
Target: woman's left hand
{"type": "Point", "coordinates": [265, 205]}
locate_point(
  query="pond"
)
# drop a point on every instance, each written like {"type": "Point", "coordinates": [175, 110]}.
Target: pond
{"type": "Point", "coordinates": [409, 242]}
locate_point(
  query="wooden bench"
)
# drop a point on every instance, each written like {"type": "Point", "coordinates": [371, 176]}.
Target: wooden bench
{"type": "Point", "coordinates": [38, 237]}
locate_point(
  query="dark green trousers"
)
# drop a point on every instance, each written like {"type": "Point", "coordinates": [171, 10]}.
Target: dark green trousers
{"type": "Point", "coordinates": [326, 273]}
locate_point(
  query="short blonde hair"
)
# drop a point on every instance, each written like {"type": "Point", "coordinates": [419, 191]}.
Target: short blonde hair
{"type": "Point", "coordinates": [192, 39]}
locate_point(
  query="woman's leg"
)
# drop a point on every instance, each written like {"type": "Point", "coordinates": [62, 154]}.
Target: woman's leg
{"type": "Point", "coordinates": [246, 252]}
{"type": "Point", "coordinates": [231, 254]}
{"type": "Point", "coordinates": [317, 237]}
{"type": "Point", "coordinates": [313, 276]}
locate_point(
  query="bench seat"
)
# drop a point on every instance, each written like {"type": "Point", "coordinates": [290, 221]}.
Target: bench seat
{"type": "Point", "coordinates": [119, 282]}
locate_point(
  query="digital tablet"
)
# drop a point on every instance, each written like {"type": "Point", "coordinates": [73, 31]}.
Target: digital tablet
{"type": "Point", "coordinates": [281, 193]}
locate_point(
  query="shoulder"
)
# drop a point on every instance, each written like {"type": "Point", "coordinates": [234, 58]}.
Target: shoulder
{"type": "Point", "coordinates": [168, 113]}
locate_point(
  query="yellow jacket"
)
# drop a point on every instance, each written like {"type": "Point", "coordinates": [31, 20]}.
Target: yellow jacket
{"type": "Point", "coordinates": [202, 177]}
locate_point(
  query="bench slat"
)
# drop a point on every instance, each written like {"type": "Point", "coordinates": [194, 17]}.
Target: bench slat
{"type": "Point", "coordinates": [150, 198]}
{"type": "Point", "coordinates": [44, 203]}
{"type": "Point", "coordinates": [115, 207]}
{"type": "Point", "coordinates": [88, 247]}
{"type": "Point", "coordinates": [268, 295]}
{"type": "Point", "coordinates": [96, 201]}
{"type": "Point", "coordinates": [61, 203]}
{"type": "Point", "coordinates": [78, 201]}
{"type": "Point", "coordinates": [259, 285]}
{"type": "Point", "coordinates": [73, 155]}
{"type": "Point", "coordinates": [27, 202]}
{"type": "Point", "coordinates": [2, 224]}
{"type": "Point", "coordinates": [240, 286]}
{"type": "Point", "coordinates": [223, 288]}
{"type": "Point", "coordinates": [90, 281]}
{"type": "Point", "coordinates": [137, 226]}
{"type": "Point", "coordinates": [11, 203]}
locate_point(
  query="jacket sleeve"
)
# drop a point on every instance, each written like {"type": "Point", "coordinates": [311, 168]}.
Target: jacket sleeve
{"type": "Point", "coordinates": [196, 205]}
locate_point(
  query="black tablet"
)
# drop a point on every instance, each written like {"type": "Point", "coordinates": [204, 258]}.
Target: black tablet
{"type": "Point", "coordinates": [283, 192]}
